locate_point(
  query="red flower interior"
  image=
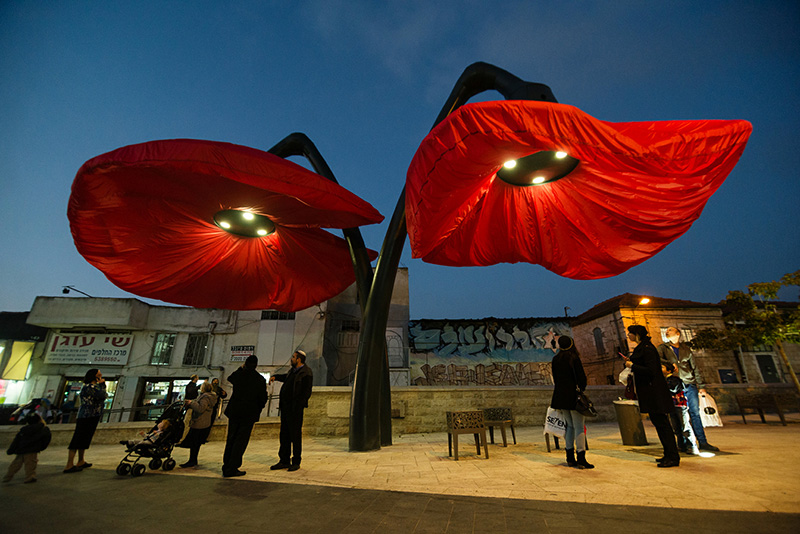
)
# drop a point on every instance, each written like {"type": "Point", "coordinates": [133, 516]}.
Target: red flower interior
{"type": "Point", "coordinates": [637, 187]}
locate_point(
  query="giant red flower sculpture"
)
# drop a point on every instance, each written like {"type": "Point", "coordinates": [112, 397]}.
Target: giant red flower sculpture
{"type": "Point", "coordinates": [214, 225]}
{"type": "Point", "coordinates": [592, 198]}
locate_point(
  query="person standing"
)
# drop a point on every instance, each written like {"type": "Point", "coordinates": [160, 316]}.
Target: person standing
{"type": "Point", "coordinates": [32, 439]}
{"type": "Point", "coordinates": [220, 393]}
{"type": "Point", "coordinates": [680, 355]}
{"type": "Point", "coordinates": [293, 400]}
{"type": "Point", "coordinates": [93, 396]}
{"type": "Point", "coordinates": [247, 400]}
{"type": "Point", "coordinates": [652, 392]}
{"type": "Point", "coordinates": [192, 390]}
{"type": "Point", "coordinates": [202, 417]}
{"type": "Point", "coordinates": [568, 378]}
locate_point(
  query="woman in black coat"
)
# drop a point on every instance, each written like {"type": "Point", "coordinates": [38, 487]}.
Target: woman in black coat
{"type": "Point", "coordinates": [652, 392]}
{"type": "Point", "coordinates": [568, 377]}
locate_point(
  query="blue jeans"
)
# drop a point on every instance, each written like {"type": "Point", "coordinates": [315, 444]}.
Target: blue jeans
{"type": "Point", "coordinates": [693, 400]}
{"type": "Point", "coordinates": [574, 437]}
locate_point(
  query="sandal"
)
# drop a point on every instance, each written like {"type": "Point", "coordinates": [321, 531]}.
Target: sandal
{"type": "Point", "coordinates": [73, 469]}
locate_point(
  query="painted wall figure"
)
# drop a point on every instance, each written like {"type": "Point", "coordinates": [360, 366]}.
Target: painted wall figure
{"type": "Point", "coordinates": [486, 352]}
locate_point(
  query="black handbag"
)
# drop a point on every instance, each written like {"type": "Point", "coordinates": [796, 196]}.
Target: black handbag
{"type": "Point", "coordinates": [583, 405]}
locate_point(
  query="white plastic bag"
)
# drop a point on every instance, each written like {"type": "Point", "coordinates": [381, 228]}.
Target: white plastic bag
{"type": "Point", "coordinates": [623, 376]}
{"type": "Point", "coordinates": [709, 415]}
{"type": "Point", "coordinates": [554, 423]}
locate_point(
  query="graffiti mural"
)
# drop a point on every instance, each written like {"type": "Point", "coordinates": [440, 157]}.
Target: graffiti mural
{"type": "Point", "coordinates": [486, 352]}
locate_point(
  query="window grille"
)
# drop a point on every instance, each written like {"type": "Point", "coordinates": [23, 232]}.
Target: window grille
{"type": "Point", "coordinates": [162, 349]}
{"type": "Point", "coordinates": [196, 347]}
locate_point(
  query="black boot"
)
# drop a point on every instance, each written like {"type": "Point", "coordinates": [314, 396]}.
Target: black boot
{"type": "Point", "coordinates": [582, 463]}
{"type": "Point", "coordinates": [571, 458]}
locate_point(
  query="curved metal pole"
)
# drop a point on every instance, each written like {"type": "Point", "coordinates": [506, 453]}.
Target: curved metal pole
{"type": "Point", "coordinates": [298, 144]}
{"type": "Point", "coordinates": [370, 421]}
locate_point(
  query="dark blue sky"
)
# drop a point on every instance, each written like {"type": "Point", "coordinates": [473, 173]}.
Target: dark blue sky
{"type": "Point", "coordinates": [365, 81]}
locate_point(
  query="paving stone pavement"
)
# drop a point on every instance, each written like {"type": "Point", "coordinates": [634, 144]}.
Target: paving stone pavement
{"type": "Point", "coordinates": [752, 486]}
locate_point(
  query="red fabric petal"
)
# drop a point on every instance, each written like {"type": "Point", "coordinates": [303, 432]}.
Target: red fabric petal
{"type": "Point", "coordinates": [143, 215]}
{"type": "Point", "coordinates": [638, 187]}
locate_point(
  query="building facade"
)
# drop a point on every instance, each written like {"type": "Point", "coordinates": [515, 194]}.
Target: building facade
{"type": "Point", "coordinates": [148, 353]}
{"type": "Point", "coordinates": [600, 337]}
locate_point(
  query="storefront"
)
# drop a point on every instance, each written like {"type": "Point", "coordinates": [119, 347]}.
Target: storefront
{"type": "Point", "coordinates": [70, 396]}
{"type": "Point", "coordinates": [159, 392]}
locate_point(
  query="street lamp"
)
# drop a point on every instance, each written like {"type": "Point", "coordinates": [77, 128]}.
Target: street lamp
{"type": "Point", "coordinates": [66, 289]}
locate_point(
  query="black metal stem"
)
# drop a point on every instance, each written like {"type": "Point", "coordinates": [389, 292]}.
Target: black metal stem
{"type": "Point", "coordinates": [370, 421]}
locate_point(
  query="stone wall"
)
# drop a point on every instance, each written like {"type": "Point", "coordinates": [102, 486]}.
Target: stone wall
{"type": "Point", "coordinates": [415, 410]}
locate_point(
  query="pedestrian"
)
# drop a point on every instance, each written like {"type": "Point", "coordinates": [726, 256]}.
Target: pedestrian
{"type": "Point", "coordinates": [681, 356]}
{"type": "Point", "coordinates": [244, 409]}
{"type": "Point", "coordinates": [293, 400]}
{"type": "Point", "coordinates": [568, 378]}
{"type": "Point", "coordinates": [680, 415]}
{"type": "Point", "coordinates": [652, 392]}
{"type": "Point", "coordinates": [202, 417]}
{"type": "Point", "coordinates": [192, 390]}
{"type": "Point", "coordinates": [32, 439]}
{"type": "Point", "coordinates": [93, 396]}
{"type": "Point", "coordinates": [220, 393]}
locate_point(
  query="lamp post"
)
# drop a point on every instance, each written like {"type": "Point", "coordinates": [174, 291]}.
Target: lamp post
{"type": "Point", "coordinates": [66, 289]}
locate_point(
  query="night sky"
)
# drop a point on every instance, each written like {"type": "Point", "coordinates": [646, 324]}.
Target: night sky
{"type": "Point", "coordinates": [365, 81]}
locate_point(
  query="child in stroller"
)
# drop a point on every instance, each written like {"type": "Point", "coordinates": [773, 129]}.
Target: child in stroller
{"type": "Point", "coordinates": [156, 445]}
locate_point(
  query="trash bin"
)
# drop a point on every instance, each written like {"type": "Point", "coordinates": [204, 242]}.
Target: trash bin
{"type": "Point", "coordinates": [630, 422]}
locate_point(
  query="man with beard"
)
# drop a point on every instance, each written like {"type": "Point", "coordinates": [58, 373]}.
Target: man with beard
{"type": "Point", "coordinates": [294, 396]}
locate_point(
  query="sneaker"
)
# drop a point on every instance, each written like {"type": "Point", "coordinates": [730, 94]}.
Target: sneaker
{"type": "Point", "coordinates": [279, 465]}
{"type": "Point", "coordinates": [294, 467]}
{"type": "Point", "coordinates": [73, 469]}
{"type": "Point", "coordinates": [706, 446]}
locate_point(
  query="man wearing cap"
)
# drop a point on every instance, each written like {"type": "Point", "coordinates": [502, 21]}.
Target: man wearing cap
{"type": "Point", "coordinates": [294, 396]}
{"type": "Point", "coordinates": [680, 355]}
{"type": "Point", "coordinates": [244, 409]}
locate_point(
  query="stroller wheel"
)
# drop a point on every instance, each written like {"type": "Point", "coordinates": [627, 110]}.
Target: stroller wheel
{"type": "Point", "coordinates": [155, 463]}
{"type": "Point", "coordinates": [123, 469]}
{"type": "Point", "coordinates": [169, 464]}
{"type": "Point", "coordinates": [138, 470]}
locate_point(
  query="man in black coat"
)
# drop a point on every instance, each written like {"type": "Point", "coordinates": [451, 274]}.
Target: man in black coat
{"type": "Point", "coordinates": [294, 396]}
{"type": "Point", "coordinates": [652, 392]}
{"type": "Point", "coordinates": [244, 409]}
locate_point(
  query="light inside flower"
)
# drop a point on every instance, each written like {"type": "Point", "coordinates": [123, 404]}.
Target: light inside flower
{"type": "Point", "coordinates": [539, 168]}
{"type": "Point", "coordinates": [244, 223]}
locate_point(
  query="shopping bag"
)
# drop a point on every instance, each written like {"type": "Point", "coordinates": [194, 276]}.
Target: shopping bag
{"type": "Point", "coordinates": [554, 423]}
{"type": "Point", "coordinates": [623, 376]}
{"type": "Point", "coordinates": [709, 415]}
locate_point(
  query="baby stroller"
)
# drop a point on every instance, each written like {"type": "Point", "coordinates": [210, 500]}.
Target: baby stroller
{"type": "Point", "coordinates": [161, 450]}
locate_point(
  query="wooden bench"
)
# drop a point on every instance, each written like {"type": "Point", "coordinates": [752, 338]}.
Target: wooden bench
{"type": "Point", "coordinates": [766, 401]}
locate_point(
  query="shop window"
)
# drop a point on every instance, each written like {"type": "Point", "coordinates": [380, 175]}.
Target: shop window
{"type": "Point", "coordinates": [196, 347]}
{"type": "Point", "coordinates": [162, 349]}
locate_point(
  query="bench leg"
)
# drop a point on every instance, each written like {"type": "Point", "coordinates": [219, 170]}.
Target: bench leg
{"type": "Point", "coordinates": [503, 432]}
{"type": "Point", "coordinates": [485, 444]}
{"type": "Point", "coordinates": [455, 445]}
{"type": "Point", "coordinates": [761, 414]}
{"type": "Point", "coordinates": [547, 441]}
{"type": "Point", "coordinates": [491, 435]}
{"type": "Point", "coordinates": [513, 435]}
{"type": "Point", "coordinates": [477, 443]}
